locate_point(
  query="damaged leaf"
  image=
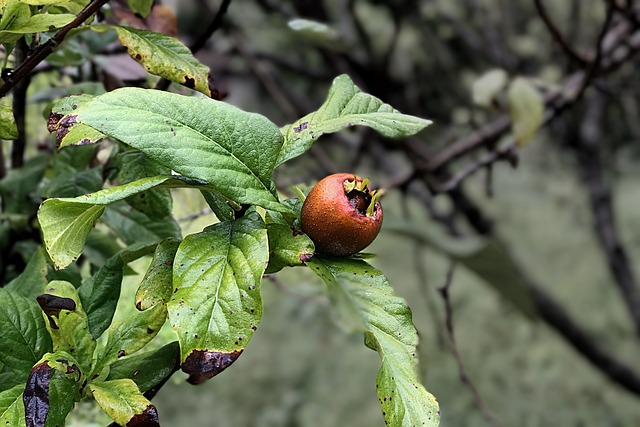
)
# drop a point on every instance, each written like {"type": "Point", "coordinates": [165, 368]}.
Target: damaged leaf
{"type": "Point", "coordinates": [166, 57]}
{"type": "Point", "coordinates": [124, 403]}
{"type": "Point", "coordinates": [52, 389]}
{"type": "Point", "coordinates": [217, 306]}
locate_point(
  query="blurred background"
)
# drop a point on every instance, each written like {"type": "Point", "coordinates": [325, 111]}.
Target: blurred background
{"type": "Point", "coordinates": [521, 200]}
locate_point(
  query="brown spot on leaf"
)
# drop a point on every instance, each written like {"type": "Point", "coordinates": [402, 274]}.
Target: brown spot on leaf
{"type": "Point", "coordinates": [63, 128]}
{"type": "Point", "coordinates": [138, 56]}
{"type": "Point", "coordinates": [148, 418]}
{"type": "Point", "coordinates": [51, 306]}
{"type": "Point", "coordinates": [52, 121]}
{"type": "Point", "coordinates": [36, 395]}
{"type": "Point", "coordinates": [202, 365]}
{"type": "Point", "coordinates": [189, 82]}
{"type": "Point", "coordinates": [302, 127]}
{"type": "Point", "coordinates": [295, 231]}
{"type": "Point", "coordinates": [305, 257]}
{"type": "Point", "coordinates": [121, 353]}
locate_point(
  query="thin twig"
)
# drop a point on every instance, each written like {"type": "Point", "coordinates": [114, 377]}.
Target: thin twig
{"type": "Point", "coordinates": [558, 37]}
{"type": "Point", "coordinates": [464, 377]}
{"type": "Point", "coordinates": [45, 49]}
{"type": "Point", "coordinates": [20, 108]}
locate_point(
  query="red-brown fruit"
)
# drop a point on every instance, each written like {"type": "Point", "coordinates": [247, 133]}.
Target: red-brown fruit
{"type": "Point", "coordinates": [341, 215]}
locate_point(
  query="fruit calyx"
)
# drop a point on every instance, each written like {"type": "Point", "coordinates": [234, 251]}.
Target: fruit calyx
{"type": "Point", "coordinates": [363, 200]}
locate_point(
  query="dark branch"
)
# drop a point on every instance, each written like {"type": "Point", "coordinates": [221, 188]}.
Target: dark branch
{"type": "Point", "coordinates": [464, 377]}
{"type": "Point", "coordinates": [558, 37]}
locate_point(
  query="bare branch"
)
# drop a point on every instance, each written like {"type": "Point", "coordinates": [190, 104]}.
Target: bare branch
{"type": "Point", "coordinates": [464, 377]}
{"type": "Point", "coordinates": [558, 37]}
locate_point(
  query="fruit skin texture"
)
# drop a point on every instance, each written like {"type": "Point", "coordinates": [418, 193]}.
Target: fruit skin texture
{"type": "Point", "coordinates": [336, 222]}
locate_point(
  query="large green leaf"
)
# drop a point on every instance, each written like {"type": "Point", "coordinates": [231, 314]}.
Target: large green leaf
{"type": "Point", "coordinates": [68, 324]}
{"type": "Point", "coordinates": [232, 150]}
{"type": "Point", "coordinates": [366, 302]}
{"type": "Point", "coordinates": [24, 337]}
{"type": "Point", "coordinates": [346, 105]}
{"type": "Point", "coordinates": [52, 389]}
{"type": "Point", "coordinates": [66, 222]}
{"type": "Point", "coordinates": [166, 57]}
{"type": "Point", "coordinates": [12, 407]}
{"type": "Point", "coordinates": [216, 306]}
{"type": "Point", "coordinates": [127, 337]}
{"type": "Point", "coordinates": [124, 403]}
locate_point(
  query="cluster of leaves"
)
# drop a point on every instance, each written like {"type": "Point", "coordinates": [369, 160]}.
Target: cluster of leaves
{"type": "Point", "coordinates": [60, 343]}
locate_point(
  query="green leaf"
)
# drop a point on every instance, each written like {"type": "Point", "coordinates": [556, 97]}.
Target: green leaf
{"type": "Point", "coordinates": [216, 306]}
{"type": "Point", "coordinates": [133, 226]}
{"type": "Point", "coordinates": [148, 369]}
{"type": "Point", "coordinates": [24, 337]}
{"type": "Point", "coordinates": [124, 403]}
{"type": "Point", "coordinates": [65, 227]}
{"type": "Point", "coordinates": [134, 165]}
{"type": "Point", "coordinates": [364, 296]}
{"type": "Point", "coordinates": [157, 285]}
{"type": "Point", "coordinates": [33, 279]}
{"type": "Point", "coordinates": [346, 105]}
{"type": "Point", "coordinates": [12, 407]}
{"type": "Point", "coordinates": [74, 183]}
{"type": "Point", "coordinates": [68, 326]}
{"type": "Point", "coordinates": [100, 293]}
{"type": "Point", "coordinates": [73, 6]}
{"type": "Point", "coordinates": [52, 389]}
{"type": "Point", "coordinates": [166, 57]}
{"type": "Point", "coordinates": [129, 336]}
{"type": "Point", "coordinates": [232, 150]}
{"type": "Point", "coordinates": [66, 222]}
{"type": "Point", "coordinates": [140, 7]}
{"type": "Point", "coordinates": [288, 247]}
{"type": "Point", "coordinates": [219, 205]}
{"type": "Point", "coordinates": [17, 21]}
{"type": "Point", "coordinates": [8, 129]}
{"type": "Point", "coordinates": [526, 108]}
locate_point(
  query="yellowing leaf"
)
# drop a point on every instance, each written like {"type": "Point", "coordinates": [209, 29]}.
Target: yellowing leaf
{"type": "Point", "coordinates": [526, 108]}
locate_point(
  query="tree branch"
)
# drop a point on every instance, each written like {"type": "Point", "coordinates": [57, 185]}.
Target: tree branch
{"type": "Point", "coordinates": [45, 49]}
{"type": "Point", "coordinates": [558, 37]}
{"type": "Point", "coordinates": [464, 377]}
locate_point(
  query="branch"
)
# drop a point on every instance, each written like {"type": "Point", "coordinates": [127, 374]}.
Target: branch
{"type": "Point", "coordinates": [617, 45]}
{"type": "Point", "coordinates": [48, 47]}
{"type": "Point", "coordinates": [464, 377]}
{"type": "Point", "coordinates": [588, 150]}
{"type": "Point", "coordinates": [558, 37]}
